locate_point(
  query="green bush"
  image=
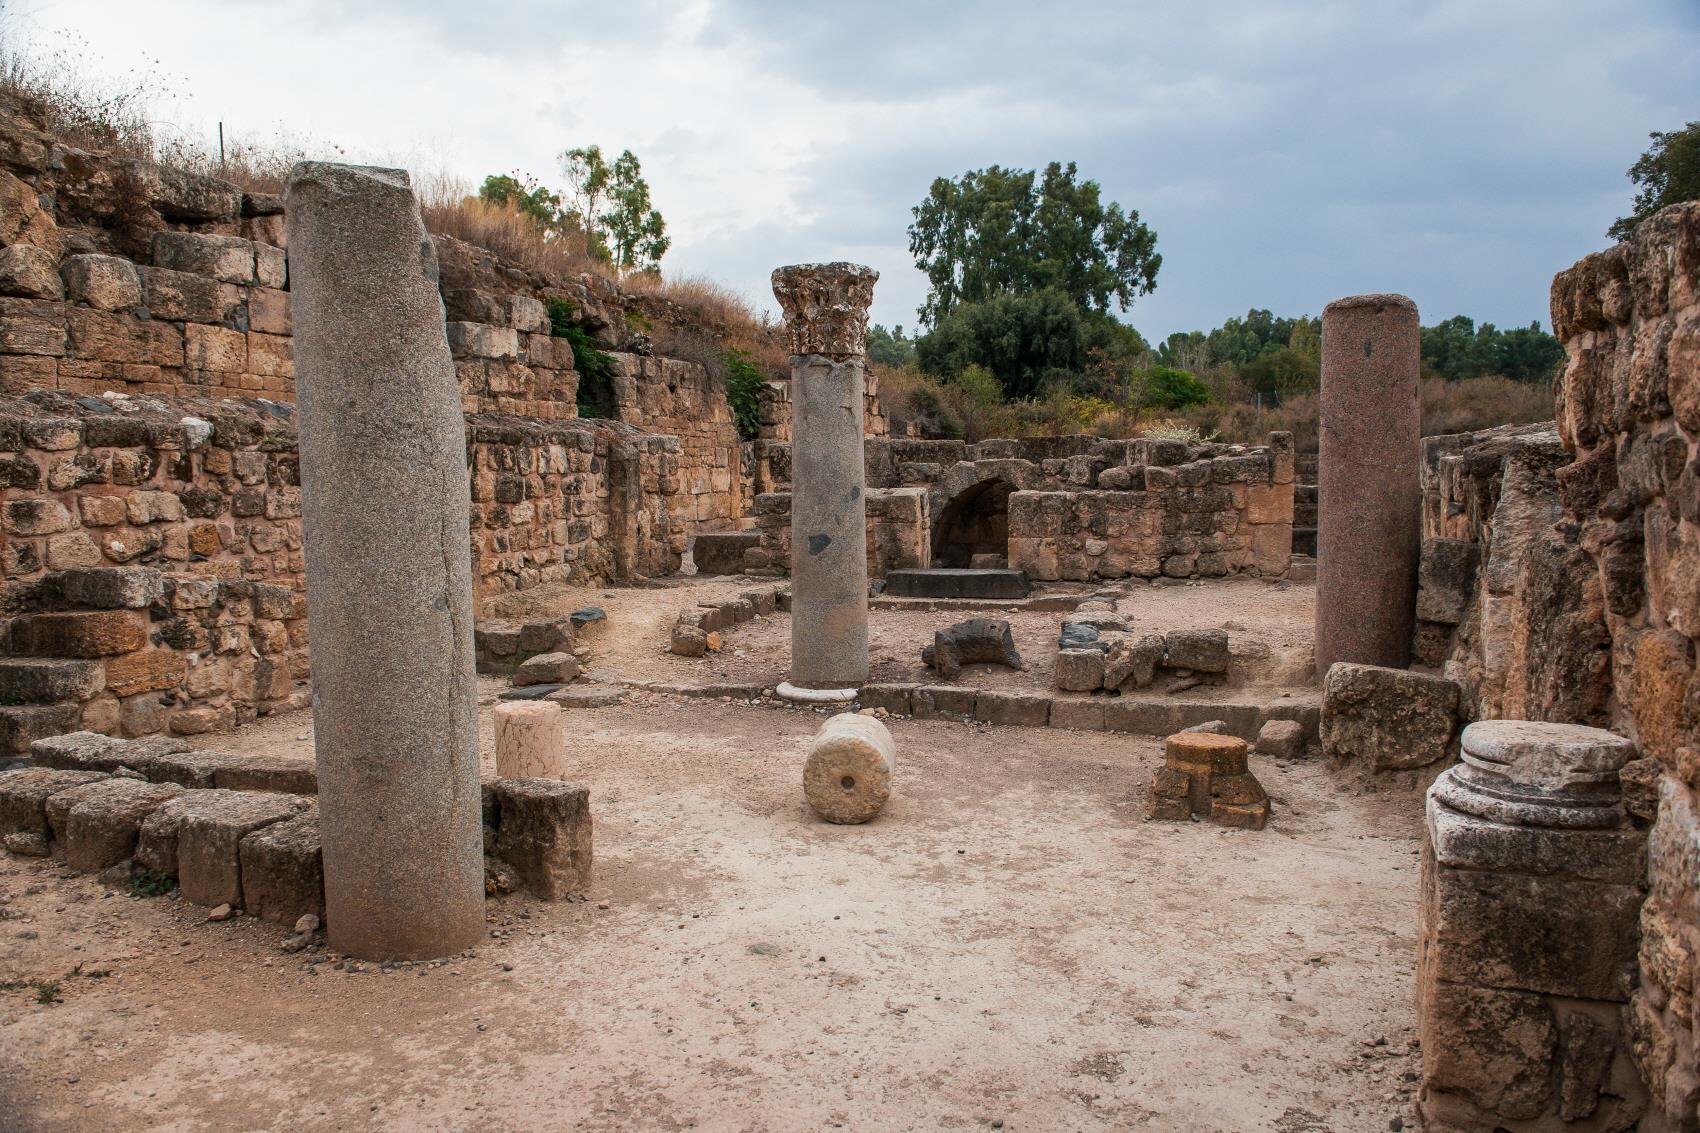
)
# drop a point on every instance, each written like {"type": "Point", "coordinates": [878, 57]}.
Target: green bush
{"type": "Point", "coordinates": [145, 882]}
{"type": "Point", "coordinates": [595, 368]}
{"type": "Point", "coordinates": [1169, 388]}
{"type": "Point", "coordinates": [744, 381]}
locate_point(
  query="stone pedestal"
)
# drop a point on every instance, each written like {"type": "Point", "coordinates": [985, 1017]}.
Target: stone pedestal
{"type": "Point", "coordinates": [1531, 888]}
{"type": "Point", "coordinates": [1369, 497]}
{"type": "Point", "coordinates": [826, 314]}
{"type": "Point", "coordinates": [1206, 774]}
{"type": "Point", "coordinates": [847, 776]}
{"type": "Point", "coordinates": [531, 740]}
{"type": "Point", "coordinates": [384, 518]}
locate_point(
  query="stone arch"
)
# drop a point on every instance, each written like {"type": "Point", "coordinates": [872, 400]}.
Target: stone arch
{"type": "Point", "coordinates": [975, 521]}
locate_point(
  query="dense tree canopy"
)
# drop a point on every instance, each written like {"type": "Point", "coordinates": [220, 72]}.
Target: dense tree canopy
{"type": "Point", "coordinates": [1021, 339]}
{"type": "Point", "coordinates": [998, 232]}
{"type": "Point", "coordinates": [1458, 348]}
{"type": "Point", "coordinates": [1668, 173]}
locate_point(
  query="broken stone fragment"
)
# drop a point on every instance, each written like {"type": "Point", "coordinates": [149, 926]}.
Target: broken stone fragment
{"type": "Point", "coordinates": [1132, 663]}
{"type": "Point", "coordinates": [282, 870]}
{"type": "Point", "coordinates": [975, 641]}
{"type": "Point", "coordinates": [689, 640]}
{"type": "Point", "coordinates": [1281, 739]}
{"type": "Point", "coordinates": [1381, 719]}
{"type": "Point", "coordinates": [547, 668]}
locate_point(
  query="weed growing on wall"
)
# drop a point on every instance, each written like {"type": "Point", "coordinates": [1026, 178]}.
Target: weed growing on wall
{"type": "Point", "coordinates": [743, 391]}
{"type": "Point", "coordinates": [595, 368]}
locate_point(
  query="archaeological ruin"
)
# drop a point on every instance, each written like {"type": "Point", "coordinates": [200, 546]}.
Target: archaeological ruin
{"type": "Point", "coordinates": [1365, 778]}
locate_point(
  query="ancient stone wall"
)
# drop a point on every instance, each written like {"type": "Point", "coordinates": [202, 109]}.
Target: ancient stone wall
{"type": "Point", "coordinates": [202, 499]}
{"type": "Point", "coordinates": [1561, 581]}
{"type": "Point", "coordinates": [1073, 507]}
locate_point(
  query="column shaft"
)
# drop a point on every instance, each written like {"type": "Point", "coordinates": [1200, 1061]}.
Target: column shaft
{"type": "Point", "coordinates": [1368, 522]}
{"type": "Point", "coordinates": [389, 583]}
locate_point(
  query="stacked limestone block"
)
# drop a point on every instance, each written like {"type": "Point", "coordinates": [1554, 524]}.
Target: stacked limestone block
{"type": "Point", "coordinates": [131, 651]}
{"type": "Point", "coordinates": [1532, 875]}
{"type": "Point", "coordinates": [570, 501]}
{"type": "Point", "coordinates": [1206, 775]}
{"type": "Point", "coordinates": [897, 532]}
{"type": "Point", "coordinates": [506, 360]}
{"type": "Point", "coordinates": [1586, 604]}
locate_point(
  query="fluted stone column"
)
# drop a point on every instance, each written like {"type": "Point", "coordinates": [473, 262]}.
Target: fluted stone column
{"type": "Point", "coordinates": [826, 314]}
{"type": "Point", "coordinates": [389, 585]}
{"type": "Point", "coordinates": [1368, 520]}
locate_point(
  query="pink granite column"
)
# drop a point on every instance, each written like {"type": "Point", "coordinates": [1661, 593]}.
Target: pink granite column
{"type": "Point", "coordinates": [1368, 521]}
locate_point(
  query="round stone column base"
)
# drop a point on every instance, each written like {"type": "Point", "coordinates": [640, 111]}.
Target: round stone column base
{"type": "Point", "coordinates": [791, 692]}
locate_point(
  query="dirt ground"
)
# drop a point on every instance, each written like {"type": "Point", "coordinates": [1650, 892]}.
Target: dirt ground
{"type": "Point", "coordinates": [1008, 946]}
{"type": "Point", "coordinates": [1270, 629]}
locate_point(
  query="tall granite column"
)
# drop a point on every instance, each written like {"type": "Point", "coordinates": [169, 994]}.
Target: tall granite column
{"type": "Point", "coordinates": [389, 579]}
{"type": "Point", "coordinates": [1369, 500]}
{"type": "Point", "coordinates": [826, 314]}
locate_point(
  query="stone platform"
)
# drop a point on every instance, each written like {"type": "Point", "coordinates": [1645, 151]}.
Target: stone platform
{"type": "Point", "coordinates": [957, 583]}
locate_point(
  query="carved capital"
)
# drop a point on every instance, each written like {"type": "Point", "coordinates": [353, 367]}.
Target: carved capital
{"type": "Point", "coordinates": [826, 307]}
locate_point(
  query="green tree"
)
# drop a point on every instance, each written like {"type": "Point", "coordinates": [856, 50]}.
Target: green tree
{"type": "Point", "coordinates": [889, 347]}
{"type": "Point", "coordinates": [526, 195]}
{"type": "Point", "coordinates": [1668, 173]}
{"type": "Point", "coordinates": [1024, 340]}
{"type": "Point", "coordinates": [611, 203]}
{"type": "Point", "coordinates": [1458, 348]}
{"type": "Point", "coordinates": [995, 231]}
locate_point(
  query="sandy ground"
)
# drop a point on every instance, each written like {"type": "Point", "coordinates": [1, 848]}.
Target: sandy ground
{"type": "Point", "coordinates": [1269, 628]}
{"type": "Point", "coordinates": [1008, 946]}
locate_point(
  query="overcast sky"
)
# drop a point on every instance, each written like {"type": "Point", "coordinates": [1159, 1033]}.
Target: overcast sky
{"type": "Point", "coordinates": [1286, 152]}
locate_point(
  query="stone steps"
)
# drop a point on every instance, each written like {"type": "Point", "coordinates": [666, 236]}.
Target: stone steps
{"type": "Point", "coordinates": [244, 831]}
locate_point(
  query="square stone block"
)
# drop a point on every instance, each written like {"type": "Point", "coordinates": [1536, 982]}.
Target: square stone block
{"type": "Point", "coordinates": [1020, 709]}
{"type": "Point", "coordinates": [1080, 713]}
{"type": "Point", "coordinates": [543, 831]}
{"type": "Point", "coordinates": [283, 871]}
{"type": "Point", "coordinates": [930, 702]}
{"type": "Point", "coordinates": [99, 822]}
{"type": "Point", "coordinates": [24, 794]}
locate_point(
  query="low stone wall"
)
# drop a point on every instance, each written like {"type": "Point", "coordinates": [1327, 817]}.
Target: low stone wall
{"type": "Point", "coordinates": [1073, 508]}
{"type": "Point", "coordinates": [1560, 581]}
{"type": "Point", "coordinates": [896, 532]}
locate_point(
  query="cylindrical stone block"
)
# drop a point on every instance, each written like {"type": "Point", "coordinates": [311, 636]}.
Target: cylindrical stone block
{"type": "Point", "coordinates": [847, 777]}
{"type": "Point", "coordinates": [1368, 524]}
{"type": "Point", "coordinates": [389, 584]}
{"type": "Point", "coordinates": [531, 740]}
{"type": "Point", "coordinates": [826, 312]}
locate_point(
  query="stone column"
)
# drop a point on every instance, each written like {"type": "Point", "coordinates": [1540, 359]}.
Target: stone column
{"type": "Point", "coordinates": [826, 314]}
{"type": "Point", "coordinates": [1532, 880]}
{"type": "Point", "coordinates": [1368, 524]}
{"type": "Point", "coordinates": [384, 517]}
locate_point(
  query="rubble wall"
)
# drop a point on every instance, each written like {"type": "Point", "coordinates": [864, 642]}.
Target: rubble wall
{"type": "Point", "coordinates": [1561, 581]}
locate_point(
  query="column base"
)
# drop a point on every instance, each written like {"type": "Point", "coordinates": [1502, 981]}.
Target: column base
{"type": "Point", "coordinates": [791, 692]}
